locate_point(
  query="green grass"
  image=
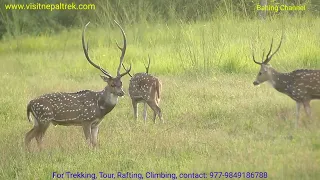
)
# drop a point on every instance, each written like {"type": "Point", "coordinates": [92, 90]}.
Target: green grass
{"type": "Point", "coordinates": [216, 120]}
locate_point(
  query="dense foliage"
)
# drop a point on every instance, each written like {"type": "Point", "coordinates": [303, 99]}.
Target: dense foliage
{"type": "Point", "coordinates": [35, 22]}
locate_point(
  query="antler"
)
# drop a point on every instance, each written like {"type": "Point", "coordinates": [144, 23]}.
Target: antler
{"type": "Point", "coordinates": [268, 58]}
{"type": "Point", "coordinates": [123, 51]}
{"type": "Point", "coordinates": [85, 49]}
{"type": "Point", "coordinates": [126, 70]}
{"type": "Point", "coordinates": [147, 68]}
{"type": "Point", "coordinates": [254, 59]}
{"type": "Point", "coordinates": [122, 63]}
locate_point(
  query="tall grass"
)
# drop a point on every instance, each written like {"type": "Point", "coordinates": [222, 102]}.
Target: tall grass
{"type": "Point", "coordinates": [216, 45]}
{"type": "Point", "coordinates": [215, 120]}
{"type": "Point", "coordinates": [36, 22]}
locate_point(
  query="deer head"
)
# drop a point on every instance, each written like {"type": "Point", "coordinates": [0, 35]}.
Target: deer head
{"type": "Point", "coordinates": [264, 72]}
{"type": "Point", "coordinates": [114, 83]}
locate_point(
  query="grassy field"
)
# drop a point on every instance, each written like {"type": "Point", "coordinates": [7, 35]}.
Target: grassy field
{"type": "Point", "coordinates": [215, 119]}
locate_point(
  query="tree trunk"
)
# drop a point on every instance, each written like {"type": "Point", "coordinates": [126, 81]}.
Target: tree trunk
{"type": "Point", "coordinates": [263, 14]}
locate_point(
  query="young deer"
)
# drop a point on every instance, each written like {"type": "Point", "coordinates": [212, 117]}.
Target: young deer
{"type": "Point", "coordinates": [145, 88]}
{"type": "Point", "coordinates": [301, 85]}
{"type": "Point", "coordinates": [84, 108]}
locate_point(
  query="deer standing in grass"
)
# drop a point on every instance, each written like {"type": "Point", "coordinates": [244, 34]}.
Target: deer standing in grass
{"type": "Point", "coordinates": [145, 88]}
{"type": "Point", "coordinates": [85, 108]}
{"type": "Point", "coordinates": [301, 85]}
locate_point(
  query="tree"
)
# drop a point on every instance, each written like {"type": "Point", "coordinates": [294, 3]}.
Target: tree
{"type": "Point", "coordinates": [263, 14]}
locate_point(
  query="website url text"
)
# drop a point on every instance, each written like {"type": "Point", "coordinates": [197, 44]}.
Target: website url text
{"type": "Point", "coordinates": [51, 7]}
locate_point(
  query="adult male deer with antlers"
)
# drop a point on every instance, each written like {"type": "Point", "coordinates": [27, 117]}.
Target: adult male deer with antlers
{"type": "Point", "coordinates": [145, 88]}
{"type": "Point", "coordinates": [302, 85]}
{"type": "Point", "coordinates": [85, 108]}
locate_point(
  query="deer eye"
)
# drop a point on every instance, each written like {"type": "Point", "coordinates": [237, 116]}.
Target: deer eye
{"type": "Point", "coordinates": [260, 73]}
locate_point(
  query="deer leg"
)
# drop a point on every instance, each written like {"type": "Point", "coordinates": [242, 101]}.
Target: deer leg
{"type": "Point", "coordinates": [160, 112]}
{"type": "Point", "coordinates": [135, 108]}
{"type": "Point", "coordinates": [29, 136]}
{"type": "Point", "coordinates": [154, 116]}
{"type": "Point", "coordinates": [42, 128]}
{"type": "Point", "coordinates": [307, 109]}
{"type": "Point", "coordinates": [156, 110]}
{"type": "Point", "coordinates": [94, 135]}
{"type": "Point", "coordinates": [87, 131]}
{"type": "Point", "coordinates": [298, 114]}
{"type": "Point", "coordinates": [160, 115]}
{"type": "Point", "coordinates": [145, 112]}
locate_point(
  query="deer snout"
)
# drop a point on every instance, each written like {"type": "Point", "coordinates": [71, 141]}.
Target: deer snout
{"type": "Point", "coordinates": [256, 83]}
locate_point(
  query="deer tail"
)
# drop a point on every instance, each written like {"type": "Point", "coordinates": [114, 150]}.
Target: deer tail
{"type": "Point", "coordinates": [28, 111]}
{"type": "Point", "coordinates": [158, 89]}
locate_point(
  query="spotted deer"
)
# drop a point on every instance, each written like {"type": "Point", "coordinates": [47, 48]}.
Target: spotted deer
{"type": "Point", "coordinates": [84, 108]}
{"type": "Point", "coordinates": [302, 85]}
{"type": "Point", "coordinates": [145, 88]}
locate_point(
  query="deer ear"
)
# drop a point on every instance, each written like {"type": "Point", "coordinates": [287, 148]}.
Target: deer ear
{"type": "Point", "coordinates": [105, 78]}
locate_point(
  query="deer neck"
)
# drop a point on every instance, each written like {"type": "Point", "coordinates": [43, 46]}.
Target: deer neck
{"type": "Point", "coordinates": [278, 80]}
{"type": "Point", "coordinates": [107, 99]}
